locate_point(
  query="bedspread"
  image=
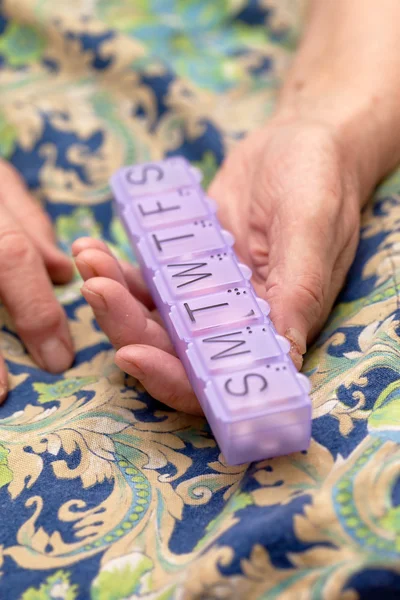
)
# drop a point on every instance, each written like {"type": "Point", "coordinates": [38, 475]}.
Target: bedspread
{"type": "Point", "coordinates": [105, 493]}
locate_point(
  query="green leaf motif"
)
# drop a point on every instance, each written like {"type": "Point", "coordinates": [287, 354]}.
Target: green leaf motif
{"type": "Point", "coordinates": [120, 583]}
{"type": "Point", "coordinates": [120, 244]}
{"type": "Point", "coordinates": [208, 166]}
{"type": "Point", "coordinates": [55, 586]}
{"type": "Point", "coordinates": [21, 45]}
{"type": "Point", "coordinates": [8, 137]}
{"type": "Point", "coordinates": [80, 223]}
{"type": "Point", "coordinates": [6, 475]}
{"type": "Point", "coordinates": [385, 416]}
{"type": "Point", "coordinates": [48, 392]}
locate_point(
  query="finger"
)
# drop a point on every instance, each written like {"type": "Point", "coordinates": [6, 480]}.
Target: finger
{"type": "Point", "coordinates": [87, 243]}
{"type": "Point", "coordinates": [132, 274]}
{"type": "Point", "coordinates": [161, 374]}
{"type": "Point", "coordinates": [121, 316]}
{"type": "Point", "coordinates": [3, 380]}
{"type": "Point", "coordinates": [27, 294]}
{"type": "Point", "coordinates": [229, 184]}
{"type": "Point", "coordinates": [299, 287]}
{"type": "Point", "coordinates": [136, 284]}
{"type": "Point", "coordinates": [97, 263]}
{"type": "Point", "coordinates": [15, 197]}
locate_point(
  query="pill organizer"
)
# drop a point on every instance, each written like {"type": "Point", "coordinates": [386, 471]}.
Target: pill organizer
{"type": "Point", "coordinates": [255, 401]}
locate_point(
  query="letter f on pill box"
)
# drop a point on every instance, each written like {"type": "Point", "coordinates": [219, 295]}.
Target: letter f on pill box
{"type": "Point", "coordinates": [256, 403]}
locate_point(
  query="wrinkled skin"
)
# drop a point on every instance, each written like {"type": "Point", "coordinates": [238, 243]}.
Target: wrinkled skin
{"type": "Point", "coordinates": [30, 262]}
{"type": "Point", "coordinates": [290, 199]}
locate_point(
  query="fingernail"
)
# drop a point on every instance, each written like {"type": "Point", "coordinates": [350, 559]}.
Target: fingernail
{"type": "Point", "coordinates": [125, 355]}
{"type": "Point", "coordinates": [86, 270]}
{"type": "Point", "coordinates": [297, 340]}
{"type": "Point", "coordinates": [96, 301]}
{"type": "Point", "coordinates": [297, 346]}
{"type": "Point", "coordinates": [76, 246]}
{"type": "Point", "coordinates": [297, 359]}
{"type": "Point", "coordinates": [55, 355]}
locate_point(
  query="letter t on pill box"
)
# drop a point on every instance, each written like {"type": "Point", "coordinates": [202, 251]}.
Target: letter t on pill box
{"type": "Point", "coordinates": [256, 403]}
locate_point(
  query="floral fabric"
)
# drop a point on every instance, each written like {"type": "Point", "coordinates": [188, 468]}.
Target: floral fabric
{"type": "Point", "coordinates": [105, 493]}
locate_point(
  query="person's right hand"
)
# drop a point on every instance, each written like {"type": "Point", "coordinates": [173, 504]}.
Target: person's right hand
{"type": "Point", "coordinates": [29, 262]}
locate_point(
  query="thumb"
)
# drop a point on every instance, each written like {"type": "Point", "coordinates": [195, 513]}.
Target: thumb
{"type": "Point", "coordinates": [297, 290]}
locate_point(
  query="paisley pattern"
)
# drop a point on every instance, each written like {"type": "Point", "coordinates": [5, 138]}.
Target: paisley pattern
{"type": "Point", "coordinates": [105, 493]}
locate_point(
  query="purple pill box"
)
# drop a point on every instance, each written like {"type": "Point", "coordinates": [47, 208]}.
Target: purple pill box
{"type": "Point", "coordinates": [255, 401]}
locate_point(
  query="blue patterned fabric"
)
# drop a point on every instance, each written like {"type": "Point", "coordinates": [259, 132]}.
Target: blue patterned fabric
{"type": "Point", "coordinates": [105, 493]}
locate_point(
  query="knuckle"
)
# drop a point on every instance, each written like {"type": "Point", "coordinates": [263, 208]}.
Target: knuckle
{"type": "Point", "coordinates": [310, 290]}
{"type": "Point", "coordinates": [118, 339]}
{"type": "Point", "coordinates": [15, 248]}
{"type": "Point", "coordinates": [171, 398]}
{"type": "Point", "coordinates": [306, 294]}
{"type": "Point", "coordinates": [40, 317]}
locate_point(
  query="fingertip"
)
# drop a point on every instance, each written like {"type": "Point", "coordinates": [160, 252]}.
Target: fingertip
{"type": "Point", "coordinates": [85, 269]}
{"type": "Point", "coordinates": [96, 262]}
{"type": "Point", "coordinates": [94, 296]}
{"type": "Point", "coordinates": [80, 244]}
{"type": "Point", "coordinates": [126, 359]}
{"type": "Point", "coordinates": [59, 266]}
{"type": "Point", "coordinates": [289, 321]}
{"type": "Point", "coordinates": [297, 359]}
{"type": "Point", "coordinates": [86, 243]}
{"type": "Point", "coordinates": [4, 385]}
{"type": "Point", "coordinates": [61, 274]}
{"type": "Point", "coordinates": [55, 355]}
{"type": "Point", "coordinates": [298, 345]}
{"type": "Point", "coordinates": [161, 374]}
{"type": "Point", "coordinates": [103, 286]}
{"type": "Point", "coordinates": [3, 392]}
{"type": "Point", "coordinates": [110, 299]}
{"type": "Point", "coordinates": [297, 340]}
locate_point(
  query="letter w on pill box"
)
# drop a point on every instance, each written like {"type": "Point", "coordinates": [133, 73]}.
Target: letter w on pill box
{"type": "Point", "coordinates": [256, 403]}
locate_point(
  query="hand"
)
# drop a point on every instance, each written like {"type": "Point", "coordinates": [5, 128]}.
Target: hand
{"type": "Point", "coordinates": [30, 261]}
{"type": "Point", "coordinates": [290, 196]}
{"type": "Point", "coordinates": [125, 311]}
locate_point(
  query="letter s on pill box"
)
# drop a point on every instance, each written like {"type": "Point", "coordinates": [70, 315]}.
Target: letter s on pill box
{"type": "Point", "coordinates": [256, 403]}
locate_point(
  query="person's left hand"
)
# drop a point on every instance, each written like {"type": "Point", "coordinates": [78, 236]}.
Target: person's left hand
{"type": "Point", "coordinates": [290, 195]}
